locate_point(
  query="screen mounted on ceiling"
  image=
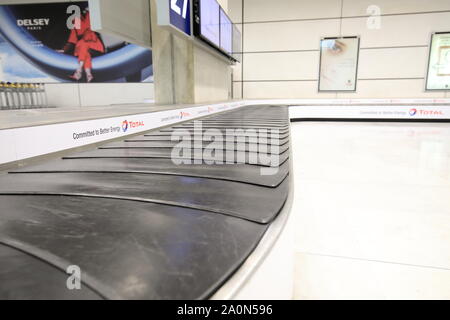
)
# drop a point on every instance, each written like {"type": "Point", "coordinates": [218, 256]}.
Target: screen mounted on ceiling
{"type": "Point", "coordinates": [226, 33]}
{"type": "Point", "coordinates": [210, 21]}
{"type": "Point", "coordinates": [237, 43]}
{"type": "Point", "coordinates": [213, 26]}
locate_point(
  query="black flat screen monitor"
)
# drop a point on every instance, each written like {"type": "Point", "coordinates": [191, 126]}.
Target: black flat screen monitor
{"type": "Point", "coordinates": [210, 21]}
{"type": "Point", "coordinates": [226, 33]}
{"type": "Point", "coordinates": [237, 43]}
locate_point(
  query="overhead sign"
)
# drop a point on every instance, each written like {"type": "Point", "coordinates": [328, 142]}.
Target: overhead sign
{"type": "Point", "coordinates": [439, 62]}
{"type": "Point", "coordinates": [175, 14]}
{"type": "Point", "coordinates": [180, 15]}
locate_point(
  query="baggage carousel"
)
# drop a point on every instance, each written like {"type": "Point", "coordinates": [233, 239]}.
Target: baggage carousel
{"type": "Point", "coordinates": [142, 221]}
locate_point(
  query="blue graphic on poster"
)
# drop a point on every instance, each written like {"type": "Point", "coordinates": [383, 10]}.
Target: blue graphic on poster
{"type": "Point", "coordinates": [53, 42]}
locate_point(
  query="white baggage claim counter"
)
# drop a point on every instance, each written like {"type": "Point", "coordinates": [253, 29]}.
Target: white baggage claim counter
{"type": "Point", "coordinates": [139, 225]}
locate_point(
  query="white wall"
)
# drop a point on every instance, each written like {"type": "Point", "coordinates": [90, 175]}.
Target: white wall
{"type": "Point", "coordinates": [212, 77]}
{"type": "Point", "coordinates": [281, 46]}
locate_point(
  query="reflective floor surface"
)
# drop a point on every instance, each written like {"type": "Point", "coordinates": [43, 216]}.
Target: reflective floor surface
{"type": "Point", "coordinates": [372, 210]}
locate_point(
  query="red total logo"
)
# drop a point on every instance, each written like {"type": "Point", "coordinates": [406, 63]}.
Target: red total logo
{"type": "Point", "coordinates": [184, 114]}
{"type": "Point", "coordinates": [131, 124]}
{"type": "Point", "coordinates": [430, 112]}
{"type": "Point", "coordinates": [136, 124]}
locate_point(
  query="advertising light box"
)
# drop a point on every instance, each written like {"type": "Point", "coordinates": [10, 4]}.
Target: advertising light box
{"type": "Point", "coordinates": [438, 77]}
{"type": "Point", "coordinates": [226, 33]}
{"type": "Point", "coordinates": [55, 42]}
{"type": "Point", "coordinates": [338, 64]}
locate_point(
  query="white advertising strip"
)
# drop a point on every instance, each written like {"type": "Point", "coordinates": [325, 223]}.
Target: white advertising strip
{"type": "Point", "coordinates": [406, 109]}
{"type": "Point", "coordinates": [412, 112]}
{"type": "Point", "coordinates": [304, 102]}
{"type": "Point", "coordinates": [23, 143]}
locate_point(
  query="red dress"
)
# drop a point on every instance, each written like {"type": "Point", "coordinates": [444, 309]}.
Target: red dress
{"type": "Point", "coordinates": [84, 40]}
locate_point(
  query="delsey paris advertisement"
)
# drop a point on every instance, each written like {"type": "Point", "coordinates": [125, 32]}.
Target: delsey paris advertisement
{"type": "Point", "coordinates": [54, 42]}
{"type": "Point", "coordinates": [338, 64]}
{"type": "Point", "coordinates": [439, 64]}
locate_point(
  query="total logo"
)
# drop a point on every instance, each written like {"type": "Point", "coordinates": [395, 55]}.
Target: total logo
{"type": "Point", "coordinates": [131, 124]}
{"type": "Point", "coordinates": [414, 112]}
{"type": "Point", "coordinates": [184, 114]}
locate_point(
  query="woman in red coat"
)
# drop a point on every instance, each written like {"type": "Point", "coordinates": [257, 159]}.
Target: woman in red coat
{"type": "Point", "coordinates": [84, 42]}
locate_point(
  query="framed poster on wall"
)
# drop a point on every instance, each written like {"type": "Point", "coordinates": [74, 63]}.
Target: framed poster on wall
{"type": "Point", "coordinates": [438, 75]}
{"type": "Point", "coordinates": [338, 64]}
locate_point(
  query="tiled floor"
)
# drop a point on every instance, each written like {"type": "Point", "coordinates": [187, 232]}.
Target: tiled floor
{"type": "Point", "coordinates": [372, 210]}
